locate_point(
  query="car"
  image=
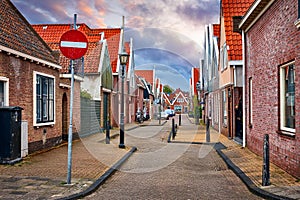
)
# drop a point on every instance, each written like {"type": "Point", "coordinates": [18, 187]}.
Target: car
{"type": "Point", "coordinates": [164, 115]}
{"type": "Point", "coordinates": [170, 112]}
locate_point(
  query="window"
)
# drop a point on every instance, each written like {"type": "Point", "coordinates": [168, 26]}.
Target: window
{"type": "Point", "coordinates": [250, 102]}
{"type": "Point", "coordinates": [224, 107]}
{"type": "Point", "coordinates": [297, 22]}
{"type": "Point", "coordinates": [3, 91]}
{"type": "Point", "coordinates": [44, 99]}
{"type": "Point", "coordinates": [287, 97]}
{"type": "Point", "coordinates": [224, 57]}
{"type": "Point", "coordinates": [178, 108]}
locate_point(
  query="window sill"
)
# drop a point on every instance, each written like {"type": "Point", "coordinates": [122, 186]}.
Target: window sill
{"type": "Point", "coordinates": [44, 124]}
{"type": "Point", "coordinates": [286, 133]}
{"type": "Point", "coordinates": [297, 23]}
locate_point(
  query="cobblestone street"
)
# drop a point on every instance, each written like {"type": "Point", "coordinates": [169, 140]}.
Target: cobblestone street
{"type": "Point", "coordinates": [161, 170]}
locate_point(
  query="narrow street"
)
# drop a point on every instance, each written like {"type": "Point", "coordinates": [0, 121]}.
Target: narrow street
{"type": "Point", "coordinates": [161, 170]}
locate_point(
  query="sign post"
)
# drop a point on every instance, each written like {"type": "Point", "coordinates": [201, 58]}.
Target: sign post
{"type": "Point", "coordinates": [73, 44]}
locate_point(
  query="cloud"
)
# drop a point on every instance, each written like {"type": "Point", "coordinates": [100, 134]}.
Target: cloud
{"type": "Point", "coordinates": [156, 26]}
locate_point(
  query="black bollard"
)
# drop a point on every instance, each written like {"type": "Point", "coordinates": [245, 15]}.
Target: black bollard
{"type": "Point", "coordinates": [107, 133]}
{"type": "Point", "coordinates": [173, 129]}
{"type": "Point", "coordinates": [266, 162]}
{"type": "Point", "coordinates": [179, 119]}
{"type": "Point", "coordinates": [207, 130]}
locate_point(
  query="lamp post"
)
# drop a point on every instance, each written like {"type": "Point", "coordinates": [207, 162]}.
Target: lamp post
{"type": "Point", "coordinates": [123, 61]}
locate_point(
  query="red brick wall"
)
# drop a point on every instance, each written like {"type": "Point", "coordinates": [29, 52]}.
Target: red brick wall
{"type": "Point", "coordinates": [271, 42]}
{"type": "Point", "coordinates": [20, 75]}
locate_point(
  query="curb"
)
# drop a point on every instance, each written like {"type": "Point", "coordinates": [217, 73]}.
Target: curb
{"type": "Point", "coordinates": [246, 180]}
{"type": "Point", "coordinates": [102, 179]}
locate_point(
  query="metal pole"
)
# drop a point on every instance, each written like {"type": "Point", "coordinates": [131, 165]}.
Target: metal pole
{"type": "Point", "coordinates": [70, 138]}
{"type": "Point", "coordinates": [266, 162]}
{"type": "Point", "coordinates": [122, 145]}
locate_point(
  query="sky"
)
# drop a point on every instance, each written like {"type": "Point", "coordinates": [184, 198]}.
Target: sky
{"type": "Point", "coordinates": [167, 35]}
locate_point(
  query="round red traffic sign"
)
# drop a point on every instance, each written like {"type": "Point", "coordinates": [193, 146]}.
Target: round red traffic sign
{"type": "Point", "coordinates": [73, 44]}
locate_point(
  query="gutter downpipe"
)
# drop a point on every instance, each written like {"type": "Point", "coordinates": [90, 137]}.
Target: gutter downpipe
{"type": "Point", "coordinates": [244, 89]}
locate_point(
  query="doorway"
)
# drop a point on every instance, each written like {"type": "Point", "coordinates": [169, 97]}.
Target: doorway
{"type": "Point", "coordinates": [64, 117]}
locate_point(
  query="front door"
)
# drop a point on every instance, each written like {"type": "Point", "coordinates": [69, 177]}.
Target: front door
{"type": "Point", "coordinates": [239, 120]}
{"type": "Point", "coordinates": [64, 117]}
{"type": "Point", "coordinates": [105, 109]}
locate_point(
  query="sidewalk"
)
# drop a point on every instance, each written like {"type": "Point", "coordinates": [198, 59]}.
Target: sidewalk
{"type": "Point", "coordinates": [43, 175]}
{"type": "Point", "coordinates": [247, 165]}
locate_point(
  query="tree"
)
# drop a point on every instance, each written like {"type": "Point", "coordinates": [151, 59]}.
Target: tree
{"type": "Point", "coordinates": [168, 89]}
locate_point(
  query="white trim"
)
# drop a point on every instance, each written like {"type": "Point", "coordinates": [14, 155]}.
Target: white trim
{"type": "Point", "coordinates": [34, 99]}
{"type": "Point", "coordinates": [6, 90]}
{"type": "Point", "coordinates": [17, 53]}
{"type": "Point", "coordinates": [251, 10]}
{"type": "Point", "coordinates": [235, 62]}
{"type": "Point", "coordinates": [282, 97]}
{"type": "Point", "coordinates": [80, 45]}
{"type": "Point", "coordinates": [244, 86]}
{"type": "Point", "coordinates": [64, 85]}
{"type": "Point", "coordinates": [102, 56]}
{"type": "Point", "coordinates": [76, 77]}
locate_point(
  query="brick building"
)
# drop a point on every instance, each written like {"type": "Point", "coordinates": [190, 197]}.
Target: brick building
{"type": "Point", "coordinates": [30, 78]}
{"type": "Point", "coordinates": [272, 69]}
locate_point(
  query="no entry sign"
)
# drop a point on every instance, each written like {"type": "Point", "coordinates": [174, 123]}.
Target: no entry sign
{"type": "Point", "coordinates": [73, 44]}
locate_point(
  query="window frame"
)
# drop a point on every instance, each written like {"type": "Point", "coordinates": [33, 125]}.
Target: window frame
{"type": "Point", "coordinates": [250, 102]}
{"type": "Point", "coordinates": [49, 121]}
{"type": "Point", "coordinates": [6, 90]}
{"type": "Point", "coordinates": [297, 22]}
{"type": "Point", "coordinates": [224, 107]}
{"type": "Point", "coordinates": [282, 93]}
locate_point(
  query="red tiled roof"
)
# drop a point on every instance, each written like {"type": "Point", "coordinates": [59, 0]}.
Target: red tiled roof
{"type": "Point", "coordinates": [52, 33]}
{"type": "Point", "coordinates": [231, 8]}
{"type": "Point", "coordinates": [147, 74]}
{"type": "Point", "coordinates": [216, 29]}
{"type": "Point", "coordinates": [17, 34]}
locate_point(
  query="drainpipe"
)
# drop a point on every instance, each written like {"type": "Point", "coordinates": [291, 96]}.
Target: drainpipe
{"type": "Point", "coordinates": [244, 89]}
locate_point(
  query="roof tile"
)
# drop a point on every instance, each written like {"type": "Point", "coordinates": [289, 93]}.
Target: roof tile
{"type": "Point", "coordinates": [52, 33]}
{"type": "Point", "coordinates": [17, 34]}
{"type": "Point", "coordinates": [232, 8]}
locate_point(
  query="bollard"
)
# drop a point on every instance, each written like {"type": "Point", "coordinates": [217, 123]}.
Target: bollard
{"type": "Point", "coordinates": [173, 129]}
{"type": "Point", "coordinates": [207, 130]}
{"type": "Point", "coordinates": [179, 119]}
{"type": "Point", "coordinates": [266, 162]}
{"type": "Point", "coordinates": [107, 133]}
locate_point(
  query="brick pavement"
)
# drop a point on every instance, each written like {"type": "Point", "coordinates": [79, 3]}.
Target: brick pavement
{"type": "Point", "coordinates": [43, 175]}
{"type": "Point", "coordinates": [282, 183]}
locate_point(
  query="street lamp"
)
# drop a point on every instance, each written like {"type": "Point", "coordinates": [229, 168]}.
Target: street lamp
{"type": "Point", "coordinates": [123, 61]}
